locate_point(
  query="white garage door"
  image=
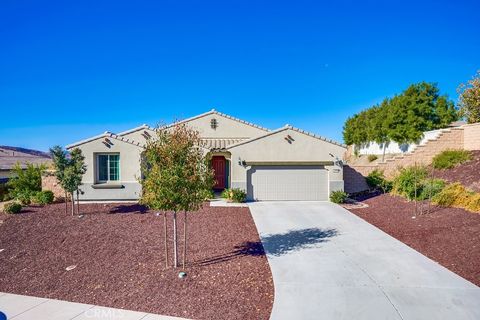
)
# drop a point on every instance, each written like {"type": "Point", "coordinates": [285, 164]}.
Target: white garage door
{"type": "Point", "coordinates": [288, 183]}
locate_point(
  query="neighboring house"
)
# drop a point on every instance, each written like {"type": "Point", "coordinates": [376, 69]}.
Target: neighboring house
{"type": "Point", "coordinates": [10, 156]}
{"type": "Point", "coordinates": [283, 164]}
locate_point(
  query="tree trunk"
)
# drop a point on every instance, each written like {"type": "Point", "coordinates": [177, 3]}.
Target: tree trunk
{"type": "Point", "coordinates": [184, 240]}
{"type": "Point", "coordinates": [175, 258]}
{"type": "Point", "coordinates": [73, 205]}
{"type": "Point", "coordinates": [78, 202]}
{"type": "Point", "coordinates": [66, 202]}
{"type": "Point", "coordinates": [384, 148]}
{"type": "Point", "coordinates": [165, 238]}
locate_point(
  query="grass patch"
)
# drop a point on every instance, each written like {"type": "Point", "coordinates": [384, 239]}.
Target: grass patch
{"type": "Point", "coordinates": [450, 158]}
{"type": "Point", "coordinates": [372, 157]}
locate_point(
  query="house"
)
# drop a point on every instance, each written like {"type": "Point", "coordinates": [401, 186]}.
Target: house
{"type": "Point", "coordinates": [283, 164]}
{"type": "Point", "coordinates": [11, 156]}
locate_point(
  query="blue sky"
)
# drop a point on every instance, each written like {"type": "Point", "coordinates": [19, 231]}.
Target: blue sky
{"type": "Point", "coordinates": [73, 69]}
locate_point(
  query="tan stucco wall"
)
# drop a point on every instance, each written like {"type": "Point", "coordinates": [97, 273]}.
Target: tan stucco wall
{"type": "Point", "coordinates": [129, 170]}
{"type": "Point", "coordinates": [226, 128]}
{"type": "Point", "coordinates": [471, 137]}
{"type": "Point", "coordinates": [275, 148]}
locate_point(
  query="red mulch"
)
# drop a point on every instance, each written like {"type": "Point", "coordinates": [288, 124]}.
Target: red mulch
{"type": "Point", "coordinates": [467, 173]}
{"type": "Point", "coordinates": [120, 260]}
{"type": "Point", "coordinates": [450, 236]}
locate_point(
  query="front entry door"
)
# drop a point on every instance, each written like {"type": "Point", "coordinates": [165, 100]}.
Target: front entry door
{"type": "Point", "coordinates": [218, 165]}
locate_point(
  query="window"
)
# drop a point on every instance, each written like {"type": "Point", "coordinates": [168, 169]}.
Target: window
{"type": "Point", "coordinates": [108, 167]}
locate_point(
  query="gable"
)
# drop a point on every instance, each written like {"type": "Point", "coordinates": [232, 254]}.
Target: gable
{"type": "Point", "coordinates": [140, 134]}
{"type": "Point", "coordinates": [214, 124]}
{"type": "Point", "coordinates": [289, 145]}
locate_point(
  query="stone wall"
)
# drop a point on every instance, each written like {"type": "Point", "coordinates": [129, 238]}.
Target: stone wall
{"type": "Point", "coordinates": [49, 182]}
{"type": "Point", "coordinates": [472, 136]}
{"type": "Point", "coordinates": [464, 137]}
{"type": "Point", "coordinates": [354, 178]}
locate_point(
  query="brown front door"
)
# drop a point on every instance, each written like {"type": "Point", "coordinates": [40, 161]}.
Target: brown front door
{"type": "Point", "coordinates": [218, 165]}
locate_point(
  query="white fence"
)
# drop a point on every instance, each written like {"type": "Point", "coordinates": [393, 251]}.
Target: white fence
{"type": "Point", "coordinates": [395, 148]}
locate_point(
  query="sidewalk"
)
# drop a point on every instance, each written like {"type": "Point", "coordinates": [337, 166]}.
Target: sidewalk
{"type": "Point", "coordinates": [20, 307]}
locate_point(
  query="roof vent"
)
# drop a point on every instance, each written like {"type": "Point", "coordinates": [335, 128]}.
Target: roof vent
{"type": "Point", "coordinates": [213, 123]}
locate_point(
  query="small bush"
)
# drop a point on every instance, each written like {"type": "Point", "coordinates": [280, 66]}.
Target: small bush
{"type": "Point", "coordinates": [4, 192]}
{"type": "Point", "coordinates": [225, 193]}
{"type": "Point", "coordinates": [338, 196]}
{"type": "Point", "coordinates": [456, 195]}
{"type": "Point", "coordinates": [450, 158]}
{"type": "Point", "coordinates": [376, 180]}
{"type": "Point", "coordinates": [238, 195]}
{"type": "Point", "coordinates": [409, 182]}
{"type": "Point", "coordinates": [430, 188]}
{"type": "Point", "coordinates": [26, 181]}
{"type": "Point", "coordinates": [372, 157]}
{"type": "Point", "coordinates": [24, 197]}
{"type": "Point", "coordinates": [43, 197]}
{"type": "Point", "coordinates": [12, 208]}
{"type": "Point", "coordinates": [234, 195]}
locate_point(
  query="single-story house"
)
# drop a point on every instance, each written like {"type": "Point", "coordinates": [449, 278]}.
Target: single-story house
{"type": "Point", "coordinates": [11, 156]}
{"type": "Point", "coordinates": [283, 164]}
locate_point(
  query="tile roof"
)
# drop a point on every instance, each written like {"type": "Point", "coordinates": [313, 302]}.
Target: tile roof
{"type": "Point", "coordinates": [286, 127]}
{"type": "Point", "coordinates": [216, 144]}
{"type": "Point", "coordinates": [9, 158]}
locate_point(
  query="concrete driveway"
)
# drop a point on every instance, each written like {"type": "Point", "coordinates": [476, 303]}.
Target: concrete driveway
{"type": "Point", "coordinates": [329, 264]}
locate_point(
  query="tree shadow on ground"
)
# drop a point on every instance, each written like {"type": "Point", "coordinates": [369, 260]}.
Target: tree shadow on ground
{"type": "Point", "coordinates": [128, 208]}
{"type": "Point", "coordinates": [295, 240]}
{"type": "Point", "coordinates": [275, 245]}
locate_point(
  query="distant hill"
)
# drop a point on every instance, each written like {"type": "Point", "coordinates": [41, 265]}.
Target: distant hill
{"type": "Point", "coordinates": [24, 151]}
{"type": "Point", "coordinates": [10, 156]}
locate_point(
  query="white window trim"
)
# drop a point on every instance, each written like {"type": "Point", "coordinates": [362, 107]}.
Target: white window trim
{"type": "Point", "coordinates": [97, 158]}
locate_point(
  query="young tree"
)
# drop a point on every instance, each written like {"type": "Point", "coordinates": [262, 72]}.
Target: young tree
{"type": "Point", "coordinates": [60, 163]}
{"type": "Point", "coordinates": [175, 176]}
{"type": "Point", "coordinates": [469, 99]}
{"type": "Point", "coordinates": [69, 171]}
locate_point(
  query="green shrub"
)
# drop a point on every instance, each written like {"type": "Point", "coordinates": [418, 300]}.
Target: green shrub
{"type": "Point", "coordinates": [456, 195]}
{"type": "Point", "coordinates": [4, 192]}
{"type": "Point", "coordinates": [409, 182]}
{"type": "Point", "coordinates": [24, 197]}
{"type": "Point", "coordinates": [12, 208]}
{"type": "Point", "coordinates": [376, 180]}
{"type": "Point", "coordinates": [238, 195]}
{"type": "Point", "coordinates": [225, 193]}
{"type": "Point", "coordinates": [235, 195]}
{"type": "Point", "coordinates": [338, 196]}
{"type": "Point", "coordinates": [450, 158]}
{"type": "Point", "coordinates": [43, 197]}
{"type": "Point", "coordinates": [430, 188]}
{"type": "Point", "coordinates": [26, 182]}
{"type": "Point", "coordinates": [372, 157]}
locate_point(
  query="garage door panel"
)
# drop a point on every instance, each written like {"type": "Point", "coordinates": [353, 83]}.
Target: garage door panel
{"type": "Point", "coordinates": [288, 183]}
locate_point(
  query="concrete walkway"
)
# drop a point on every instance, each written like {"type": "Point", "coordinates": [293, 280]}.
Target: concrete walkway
{"type": "Point", "coordinates": [329, 264]}
{"type": "Point", "coordinates": [20, 307]}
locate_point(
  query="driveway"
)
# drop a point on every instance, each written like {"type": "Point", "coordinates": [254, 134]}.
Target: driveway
{"type": "Point", "coordinates": [328, 263]}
